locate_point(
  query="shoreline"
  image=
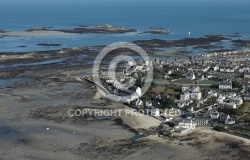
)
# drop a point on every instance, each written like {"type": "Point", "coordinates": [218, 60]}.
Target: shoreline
{"type": "Point", "coordinates": [50, 90]}
{"type": "Point", "coordinates": [203, 44]}
{"type": "Point", "coordinates": [47, 85]}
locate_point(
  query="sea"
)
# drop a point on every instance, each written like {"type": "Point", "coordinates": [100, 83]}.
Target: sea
{"type": "Point", "coordinates": [199, 17]}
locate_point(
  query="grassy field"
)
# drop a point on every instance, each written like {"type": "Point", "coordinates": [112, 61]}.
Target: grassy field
{"type": "Point", "coordinates": [245, 110]}
{"type": "Point", "coordinates": [226, 77]}
{"type": "Point", "coordinates": [243, 130]}
{"type": "Point", "coordinates": [158, 89]}
{"type": "Point", "coordinates": [208, 82]}
{"type": "Point", "coordinates": [160, 82]}
{"type": "Point", "coordinates": [244, 116]}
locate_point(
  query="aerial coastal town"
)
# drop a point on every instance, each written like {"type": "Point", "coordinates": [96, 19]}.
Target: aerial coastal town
{"type": "Point", "coordinates": [209, 90]}
{"type": "Point", "coordinates": [188, 94]}
{"type": "Point", "coordinates": [127, 79]}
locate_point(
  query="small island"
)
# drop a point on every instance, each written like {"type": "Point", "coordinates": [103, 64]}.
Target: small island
{"type": "Point", "coordinates": [206, 40]}
{"type": "Point", "coordinates": [38, 29]}
{"type": "Point", "coordinates": [2, 31]}
{"type": "Point", "coordinates": [158, 31]}
{"type": "Point", "coordinates": [49, 44]}
{"type": "Point", "coordinates": [106, 28]}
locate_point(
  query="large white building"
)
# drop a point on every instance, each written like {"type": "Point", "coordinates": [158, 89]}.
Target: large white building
{"type": "Point", "coordinates": [237, 100]}
{"type": "Point", "coordinates": [225, 85]}
{"type": "Point", "coordinates": [201, 121]}
{"type": "Point", "coordinates": [185, 125]}
{"type": "Point", "coordinates": [227, 105]}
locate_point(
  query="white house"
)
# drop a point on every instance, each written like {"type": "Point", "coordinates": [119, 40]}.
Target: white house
{"type": "Point", "coordinates": [138, 103]}
{"type": "Point", "coordinates": [148, 104]}
{"type": "Point", "coordinates": [138, 91]}
{"type": "Point", "coordinates": [185, 96]}
{"type": "Point", "coordinates": [227, 105]}
{"type": "Point", "coordinates": [237, 100]}
{"type": "Point", "coordinates": [180, 105]}
{"type": "Point", "coordinates": [216, 68]}
{"type": "Point", "coordinates": [214, 114]}
{"type": "Point", "coordinates": [229, 120]}
{"type": "Point", "coordinates": [191, 75]}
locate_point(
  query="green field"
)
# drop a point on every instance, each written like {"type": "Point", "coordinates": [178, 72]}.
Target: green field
{"type": "Point", "coordinates": [243, 130]}
{"type": "Point", "coordinates": [208, 82]}
{"type": "Point", "coordinates": [160, 82]}
{"type": "Point", "coordinates": [245, 112]}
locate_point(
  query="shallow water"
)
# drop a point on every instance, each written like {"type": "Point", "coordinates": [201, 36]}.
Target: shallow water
{"type": "Point", "coordinates": [32, 64]}
{"type": "Point", "coordinates": [199, 17]}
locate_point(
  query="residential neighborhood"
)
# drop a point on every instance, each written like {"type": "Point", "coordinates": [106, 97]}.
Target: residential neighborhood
{"type": "Point", "coordinates": [209, 90]}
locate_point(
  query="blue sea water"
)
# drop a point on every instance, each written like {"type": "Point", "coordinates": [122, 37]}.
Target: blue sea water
{"type": "Point", "coordinates": [200, 17]}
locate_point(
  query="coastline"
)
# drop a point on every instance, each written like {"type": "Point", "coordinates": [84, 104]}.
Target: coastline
{"type": "Point", "coordinates": [48, 82]}
{"type": "Point", "coordinates": [55, 64]}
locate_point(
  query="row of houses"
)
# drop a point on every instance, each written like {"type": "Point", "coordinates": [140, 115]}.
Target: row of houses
{"type": "Point", "coordinates": [226, 118]}
{"type": "Point", "coordinates": [190, 93]}
{"type": "Point", "coordinates": [225, 85]}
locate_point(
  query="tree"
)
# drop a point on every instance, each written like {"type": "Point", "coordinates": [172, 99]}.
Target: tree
{"type": "Point", "coordinates": [230, 111]}
{"type": "Point", "coordinates": [219, 128]}
{"type": "Point", "coordinates": [157, 75]}
{"type": "Point", "coordinates": [214, 86]}
{"type": "Point", "coordinates": [236, 84]}
{"type": "Point", "coordinates": [139, 82]}
{"type": "Point", "coordinates": [168, 103]}
{"type": "Point", "coordinates": [177, 74]}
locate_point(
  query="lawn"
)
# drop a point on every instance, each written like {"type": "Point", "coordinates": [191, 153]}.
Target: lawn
{"type": "Point", "coordinates": [245, 110]}
{"type": "Point", "coordinates": [227, 77]}
{"type": "Point", "coordinates": [208, 82]}
{"type": "Point", "coordinates": [158, 89]}
{"type": "Point", "coordinates": [243, 130]}
{"type": "Point", "coordinates": [160, 82]}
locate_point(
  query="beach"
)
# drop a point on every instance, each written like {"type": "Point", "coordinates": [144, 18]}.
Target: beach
{"type": "Point", "coordinates": [34, 34]}
{"type": "Point", "coordinates": [35, 123]}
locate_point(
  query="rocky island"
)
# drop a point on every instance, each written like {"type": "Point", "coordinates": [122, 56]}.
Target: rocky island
{"type": "Point", "coordinates": [207, 39]}
{"type": "Point", "coordinates": [98, 29]}
{"type": "Point", "coordinates": [2, 31]}
{"type": "Point", "coordinates": [158, 31]}
{"type": "Point", "coordinates": [49, 44]}
{"type": "Point", "coordinates": [38, 29]}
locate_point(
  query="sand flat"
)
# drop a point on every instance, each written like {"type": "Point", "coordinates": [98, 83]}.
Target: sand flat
{"type": "Point", "coordinates": [34, 34]}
